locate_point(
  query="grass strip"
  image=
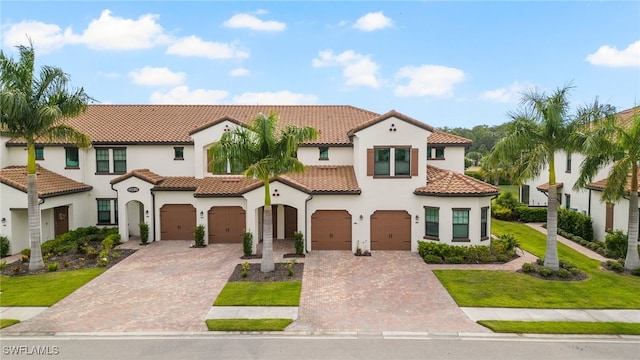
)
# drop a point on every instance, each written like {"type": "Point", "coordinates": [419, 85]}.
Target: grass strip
{"type": "Point", "coordinates": [602, 290]}
{"type": "Point", "coordinates": [557, 327]}
{"type": "Point", "coordinates": [279, 293]}
{"type": "Point", "coordinates": [43, 289]}
{"type": "Point", "coordinates": [248, 324]}
{"type": "Point", "coordinates": [7, 322]}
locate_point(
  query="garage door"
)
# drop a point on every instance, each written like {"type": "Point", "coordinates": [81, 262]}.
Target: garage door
{"type": "Point", "coordinates": [331, 230]}
{"type": "Point", "coordinates": [226, 224]}
{"type": "Point", "coordinates": [177, 222]}
{"type": "Point", "coordinates": [390, 230]}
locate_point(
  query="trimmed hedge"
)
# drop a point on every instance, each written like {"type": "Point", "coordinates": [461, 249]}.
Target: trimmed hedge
{"type": "Point", "coordinates": [575, 223]}
{"type": "Point", "coordinates": [73, 241]}
{"type": "Point", "coordinates": [501, 249]}
{"type": "Point", "coordinates": [531, 214]}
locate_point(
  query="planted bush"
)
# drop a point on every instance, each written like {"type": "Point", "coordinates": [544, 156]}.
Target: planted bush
{"type": "Point", "coordinates": [500, 249]}
{"type": "Point", "coordinates": [247, 243]}
{"type": "Point", "coordinates": [432, 259]}
{"type": "Point", "coordinates": [4, 246]}
{"type": "Point", "coordinates": [144, 232]}
{"type": "Point", "coordinates": [298, 238]}
{"type": "Point", "coordinates": [52, 266]}
{"type": "Point", "coordinates": [615, 244]}
{"type": "Point", "coordinates": [531, 214]}
{"type": "Point", "coordinates": [198, 233]}
{"type": "Point", "coordinates": [575, 223]}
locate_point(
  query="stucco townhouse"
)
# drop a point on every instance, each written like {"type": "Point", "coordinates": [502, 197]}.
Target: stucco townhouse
{"type": "Point", "coordinates": [605, 216]}
{"type": "Point", "coordinates": [374, 181]}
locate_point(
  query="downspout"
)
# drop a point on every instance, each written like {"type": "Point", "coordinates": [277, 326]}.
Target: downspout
{"type": "Point", "coordinates": [153, 213]}
{"type": "Point", "coordinates": [118, 220]}
{"type": "Point", "coordinates": [306, 217]}
{"type": "Point", "coordinates": [589, 206]}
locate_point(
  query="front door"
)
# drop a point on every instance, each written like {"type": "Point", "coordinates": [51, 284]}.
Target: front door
{"type": "Point", "coordinates": [61, 220]}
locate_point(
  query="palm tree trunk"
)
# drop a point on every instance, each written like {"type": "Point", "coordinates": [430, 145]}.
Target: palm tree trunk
{"type": "Point", "coordinates": [33, 211]}
{"type": "Point", "coordinates": [632, 260]}
{"type": "Point", "coordinates": [551, 254]}
{"type": "Point", "coordinates": [266, 264]}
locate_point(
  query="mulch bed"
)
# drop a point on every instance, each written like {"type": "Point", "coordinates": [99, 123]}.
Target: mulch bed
{"type": "Point", "coordinates": [66, 263]}
{"type": "Point", "coordinates": [279, 274]}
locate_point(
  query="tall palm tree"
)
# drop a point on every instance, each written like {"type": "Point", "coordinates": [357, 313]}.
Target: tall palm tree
{"type": "Point", "coordinates": [537, 131]}
{"type": "Point", "coordinates": [264, 153]}
{"type": "Point", "coordinates": [34, 108]}
{"type": "Point", "coordinates": [609, 142]}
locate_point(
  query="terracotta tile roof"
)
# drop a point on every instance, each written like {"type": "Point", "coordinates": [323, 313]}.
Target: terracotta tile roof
{"type": "Point", "coordinates": [186, 183]}
{"type": "Point", "coordinates": [142, 174]}
{"type": "Point", "coordinates": [442, 182]}
{"type": "Point", "coordinates": [171, 124]}
{"type": "Point", "coordinates": [49, 183]}
{"type": "Point", "coordinates": [324, 180]}
{"type": "Point", "coordinates": [225, 186]}
{"type": "Point", "coordinates": [625, 117]}
{"type": "Point", "coordinates": [600, 184]}
{"type": "Point", "coordinates": [443, 138]}
{"type": "Point", "coordinates": [389, 114]}
{"type": "Point", "coordinates": [545, 187]}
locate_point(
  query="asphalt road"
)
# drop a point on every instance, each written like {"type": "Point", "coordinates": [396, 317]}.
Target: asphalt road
{"type": "Point", "coordinates": [283, 347]}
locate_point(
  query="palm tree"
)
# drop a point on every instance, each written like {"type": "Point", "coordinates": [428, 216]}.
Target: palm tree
{"type": "Point", "coordinates": [535, 134]}
{"type": "Point", "coordinates": [611, 142]}
{"type": "Point", "coordinates": [34, 108]}
{"type": "Point", "coordinates": [263, 153]}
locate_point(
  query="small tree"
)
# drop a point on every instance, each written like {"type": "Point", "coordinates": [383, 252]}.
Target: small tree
{"type": "Point", "coordinates": [247, 243]}
{"type": "Point", "coordinates": [144, 233]}
{"type": "Point", "coordinates": [298, 238]}
{"type": "Point", "coordinates": [198, 233]}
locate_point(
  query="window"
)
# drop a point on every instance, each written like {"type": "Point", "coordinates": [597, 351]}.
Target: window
{"type": "Point", "coordinates": [102, 160]}
{"type": "Point", "coordinates": [178, 153]}
{"type": "Point", "coordinates": [403, 161]}
{"type": "Point", "coordinates": [524, 194]}
{"type": "Point", "coordinates": [381, 161]}
{"type": "Point", "coordinates": [439, 153]}
{"type": "Point", "coordinates": [39, 153]}
{"type": "Point", "coordinates": [484, 233]}
{"type": "Point", "coordinates": [432, 222]}
{"type": "Point", "coordinates": [104, 211]}
{"type": "Point", "coordinates": [435, 152]}
{"type": "Point", "coordinates": [461, 223]}
{"type": "Point", "coordinates": [567, 201]}
{"type": "Point", "coordinates": [568, 162]}
{"type": "Point", "coordinates": [120, 160]}
{"type": "Point", "coordinates": [324, 153]}
{"type": "Point", "coordinates": [71, 157]}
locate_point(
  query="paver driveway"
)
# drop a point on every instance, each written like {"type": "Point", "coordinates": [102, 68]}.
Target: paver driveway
{"type": "Point", "coordinates": [168, 286]}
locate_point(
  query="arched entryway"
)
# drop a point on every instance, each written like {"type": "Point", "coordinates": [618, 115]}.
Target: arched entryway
{"type": "Point", "coordinates": [135, 215]}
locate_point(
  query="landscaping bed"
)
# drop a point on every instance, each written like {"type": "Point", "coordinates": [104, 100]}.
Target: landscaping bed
{"type": "Point", "coordinates": [280, 273]}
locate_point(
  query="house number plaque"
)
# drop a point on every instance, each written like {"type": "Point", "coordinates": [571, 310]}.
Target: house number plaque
{"type": "Point", "coordinates": [133, 189]}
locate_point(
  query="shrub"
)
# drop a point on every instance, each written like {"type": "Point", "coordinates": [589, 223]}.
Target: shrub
{"type": "Point", "coordinates": [107, 243]}
{"type": "Point", "coordinates": [290, 270]}
{"type": "Point", "coordinates": [615, 266]}
{"type": "Point", "coordinates": [540, 261]}
{"type": "Point", "coordinates": [615, 244]}
{"type": "Point", "coordinates": [26, 252]}
{"type": "Point", "coordinates": [531, 214]}
{"type": "Point", "coordinates": [502, 213]}
{"type": "Point", "coordinates": [3, 265]}
{"type": "Point", "coordinates": [198, 233]}
{"type": "Point", "coordinates": [507, 199]}
{"type": "Point", "coordinates": [528, 267]}
{"type": "Point", "coordinates": [4, 246]}
{"type": "Point", "coordinates": [92, 253]}
{"type": "Point", "coordinates": [245, 269]}
{"type": "Point", "coordinates": [144, 232]}
{"type": "Point", "coordinates": [432, 259]}
{"type": "Point", "coordinates": [635, 272]}
{"type": "Point", "coordinates": [247, 243]}
{"type": "Point", "coordinates": [66, 263]}
{"type": "Point", "coordinates": [455, 260]}
{"type": "Point", "coordinates": [506, 241]}
{"type": "Point", "coordinates": [564, 273]}
{"type": "Point", "coordinates": [52, 266]}
{"type": "Point", "coordinates": [575, 223]}
{"type": "Point", "coordinates": [298, 239]}
{"type": "Point", "coordinates": [545, 271]}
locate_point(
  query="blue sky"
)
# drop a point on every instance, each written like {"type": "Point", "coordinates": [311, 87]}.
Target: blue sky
{"type": "Point", "coordinates": [455, 64]}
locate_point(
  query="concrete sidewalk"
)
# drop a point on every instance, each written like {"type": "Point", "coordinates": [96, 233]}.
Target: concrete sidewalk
{"type": "Point", "coordinates": [586, 315]}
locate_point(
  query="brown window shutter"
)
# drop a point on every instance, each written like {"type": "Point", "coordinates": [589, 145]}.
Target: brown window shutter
{"type": "Point", "coordinates": [370, 164]}
{"type": "Point", "coordinates": [414, 162]}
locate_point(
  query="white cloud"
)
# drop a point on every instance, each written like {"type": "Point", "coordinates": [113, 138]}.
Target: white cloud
{"type": "Point", "coordinates": [194, 46]}
{"type": "Point", "coordinates": [105, 33]}
{"type": "Point", "coordinates": [373, 21]}
{"type": "Point", "coordinates": [239, 72]}
{"type": "Point", "coordinates": [117, 33]}
{"type": "Point", "coordinates": [611, 56]}
{"type": "Point", "coordinates": [182, 95]}
{"type": "Point", "coordinates": [511, 93]}
{"type": "Point", "coordinates": [240, 21]}
{"type": "Point", "coordinates": [358, 69]}
{"type": "Point", "coordinates": [45, 37]}
{"type": "Point", "coordinates": [275, 98]}
{"type": "Point", "coordinates": [428, 80]}
{"type": "Point", "coordinates": [156, 76]}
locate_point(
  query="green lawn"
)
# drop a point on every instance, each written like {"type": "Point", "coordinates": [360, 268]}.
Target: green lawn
{"type": "Point", "coordinates": [278, 293]}
{"type": "Point", "coordinates": [7, 322]}
{"type": "Point", "coordinates": [515, 189]}
{"type": "Point", "coordinates": [602, 290]}
{"type": "Point", "coordinates": [248, 324]}
{"type": "Point", "coordinates": [554, 327]}
{"type": "Point", "coordinates": [43, 289]}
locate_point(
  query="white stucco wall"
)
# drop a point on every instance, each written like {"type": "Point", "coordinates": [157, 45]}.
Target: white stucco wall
{"type": "Point", "coordinates": [338, 155]}
{"type": "Point", "coordinates": [453, 159]}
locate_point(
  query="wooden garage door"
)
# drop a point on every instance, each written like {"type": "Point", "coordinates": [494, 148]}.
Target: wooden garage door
{"type": "Point", "coordinates": [226, 224]}
{"type": "Point", "coordinates": [331, 230]}
{"type": "Point", "coordinates": [177, 222]}
{"type": "Point", "coordinates": [390, 230]}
